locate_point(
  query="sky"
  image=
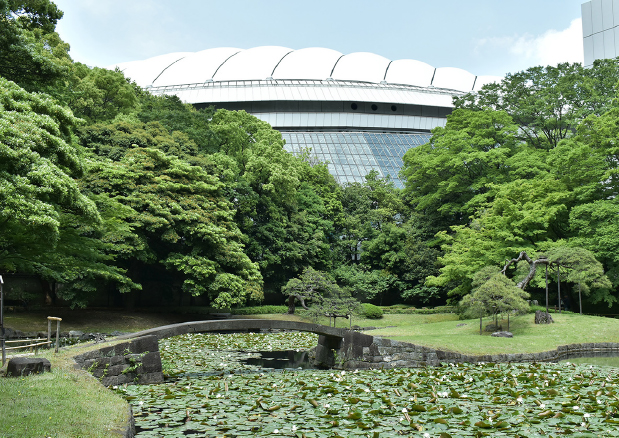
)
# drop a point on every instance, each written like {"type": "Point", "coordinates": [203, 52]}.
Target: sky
{"type": "Point", "coordinates": [485, 37]}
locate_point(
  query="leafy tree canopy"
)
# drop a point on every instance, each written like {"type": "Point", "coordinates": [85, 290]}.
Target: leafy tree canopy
{"type": "Point", "coordinates": [38, 164]}
{"type": "Point", "coordinates": [277, 197]}
{"type": "Point", "coordinates": [98, 94]}
{"type": "Point", "coordinates": [31, 52]}
{"type": "Point", "coordinates": [547, 103]}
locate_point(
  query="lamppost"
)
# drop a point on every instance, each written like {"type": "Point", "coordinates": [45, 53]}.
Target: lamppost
{"type": "Point", "coordinates": [2, 319]}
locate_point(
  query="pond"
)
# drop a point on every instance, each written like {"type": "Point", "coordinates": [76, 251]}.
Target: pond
{"type": "Point", "coordinates": [449, 401]}
{"type": "Point", "coordinates": [600, 359]}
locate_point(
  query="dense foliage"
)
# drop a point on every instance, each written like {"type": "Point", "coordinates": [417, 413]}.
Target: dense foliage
{"type": "Point", "coordinates": [529, 164]}
{"type": "Point", "coordinates": [111, 195]}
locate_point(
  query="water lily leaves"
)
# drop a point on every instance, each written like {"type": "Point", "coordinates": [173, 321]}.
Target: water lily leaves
{"type": "Point", "coordinates": [524, 400]}
{"type": "Point", "coordinates": [354, 415]}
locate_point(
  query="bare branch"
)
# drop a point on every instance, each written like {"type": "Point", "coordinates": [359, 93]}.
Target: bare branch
{"type": "Point", "coordinates": [532, 268]}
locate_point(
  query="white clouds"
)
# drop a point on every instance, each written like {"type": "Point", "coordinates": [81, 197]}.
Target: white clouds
{"type": "Point", "coordinates": [550, 48]}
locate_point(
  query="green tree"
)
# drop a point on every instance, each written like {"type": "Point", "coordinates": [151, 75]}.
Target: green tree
{"type": "Point", "coordinates": [278, 197]}
{"type": "Point", "coordinates": [49, 227]}
{"type": "Point", "coordinates": [31, 52]}
{"type": "Point", "coordinates": [98, 94]}
{"type": "Point", "coordinates": [175, 115]}
{"type": "Point", "coordinates": [180, 226]}
{"type": "Point", "coordinates": [326, 298]}
{"type": "Point", "coordinates": [38, 164]}
{"type": "Point", "coordinates": [493, 293]}
{"type": "Point", "coordinates": [581, 268]}
{"type": "Point", "coordinates": [461, 160]}
{"type": "Point", "coordinates": [548, 103]}
{"type": "Point", "coordinates": [310, 286]}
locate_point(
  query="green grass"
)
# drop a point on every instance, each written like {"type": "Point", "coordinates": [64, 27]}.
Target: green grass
{"type": "Point", "coordinates": [441, 331]}
{"type": "Point", "coordinates": [63, 403]}
{"type": "Point", "coordinates": [569, 328]}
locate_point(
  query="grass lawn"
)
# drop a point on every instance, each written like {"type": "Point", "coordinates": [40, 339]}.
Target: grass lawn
{"type": "Point", "coordinates": [63, 403]}
{"type": "Point", "coordinates": [441, 331]}
{"type": "Point", "coordinates": [569, 328]}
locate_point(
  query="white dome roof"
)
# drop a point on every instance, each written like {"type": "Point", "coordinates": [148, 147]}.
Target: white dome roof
{"type": "Point", "coordinates": [145, 72]}
{"type": "Point", "coordinates": [453, 79]}
{"type": "Point", "coordinates": [361, 66]}
{"type": "Point", "coordinates": [410, 72]}
{"type": "Point", "coordinates": [311, 63]}
{"type": "Point", "coordinates": [195, 68]}
{"type": "Point", "coordinates": [282, 63]}
{"type": "Point", "coordinates": [257, 63]}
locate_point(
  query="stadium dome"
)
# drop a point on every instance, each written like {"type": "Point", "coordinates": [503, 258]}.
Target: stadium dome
{"type": "Point", "coordinates": [358, 111]}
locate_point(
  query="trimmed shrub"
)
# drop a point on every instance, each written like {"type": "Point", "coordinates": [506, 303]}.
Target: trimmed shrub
{"type": "Point", "coordinates": [370, 311]}
{"type": "Point", "coordinates": [412, 310]}
{"type": "Point", "coordinates": [259, 310]}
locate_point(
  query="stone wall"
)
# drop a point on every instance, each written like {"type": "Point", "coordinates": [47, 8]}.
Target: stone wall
{"type": "Point", "coordinates": [386, 353]}
{"type": "Point", "coordinates": [135, 361]}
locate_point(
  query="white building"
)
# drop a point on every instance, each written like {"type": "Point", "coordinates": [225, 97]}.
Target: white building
{"type": "Point", "coordinates": [600, 29]}
{"type": "Point", "coordinates": [358, 111]}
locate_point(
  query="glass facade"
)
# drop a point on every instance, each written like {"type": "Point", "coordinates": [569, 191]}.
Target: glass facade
{"type": "Point", "coordinates": [352, 155]}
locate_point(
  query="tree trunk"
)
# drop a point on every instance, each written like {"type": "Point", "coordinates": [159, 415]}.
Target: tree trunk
{"type": "Point", "coordinates": [291, 306]}
{"type": "Point", "coordinates": [546, 288]}
{"type": "Point", "coordinates": [559, 286]}
{"type": "Point", "coordinates": [579, 298]}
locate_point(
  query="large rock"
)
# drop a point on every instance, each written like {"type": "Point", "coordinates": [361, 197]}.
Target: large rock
{"type": "Point", "coordinates": [493, 328]}
{"type": "Point", "coordinates": [542, 317]}
{"type": "Point", "coordinates": [9, 334]}
{"type": "Point", "coordinates": [502, 334]}
{"type": "Point", "coordinates": [75, 334]}
{"type": "Point", "coordinates": [23, 366]}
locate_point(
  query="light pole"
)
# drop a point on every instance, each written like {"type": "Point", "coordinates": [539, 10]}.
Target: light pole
{"type": "Point", "coordinates": [2, 319]}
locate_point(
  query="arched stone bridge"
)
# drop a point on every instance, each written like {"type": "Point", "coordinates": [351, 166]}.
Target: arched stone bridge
{"type": "Point", "coordinates": [333, 343]}
{"type": "Point", "coordinates": [138, 359]}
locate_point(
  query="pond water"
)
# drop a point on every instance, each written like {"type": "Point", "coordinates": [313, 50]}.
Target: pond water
{"type": "Point", "coordinates": [278, 360]}
{"type": "Point", "coordinates": [216, 389]}
{"type": "Point", "coordinates": [599, 359]}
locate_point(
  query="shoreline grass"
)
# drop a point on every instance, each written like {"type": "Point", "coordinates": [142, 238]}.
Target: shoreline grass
{"type": "Point", "coordinates": [64, 403]}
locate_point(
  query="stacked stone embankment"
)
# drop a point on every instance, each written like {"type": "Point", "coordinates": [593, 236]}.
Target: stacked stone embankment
{"type": "Point", "coordinates": [136, 361]}
{"type": "Point", "coordinates": [387, 353]}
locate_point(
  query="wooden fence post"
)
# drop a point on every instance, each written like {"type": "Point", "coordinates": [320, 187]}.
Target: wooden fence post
{"type": "Point", "coordinates": [49, 330]}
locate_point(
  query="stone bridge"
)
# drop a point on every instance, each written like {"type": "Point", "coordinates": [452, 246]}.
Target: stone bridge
{"type": "Point", "coordinates": [335, 347]}
{"type": "Point", "coordinates": [137, 360]}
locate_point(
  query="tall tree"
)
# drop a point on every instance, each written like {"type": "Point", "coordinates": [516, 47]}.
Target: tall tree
{"type": "Point", "coordinates": [179, 224]}
{"type": "Point", "coordinates": [278, 197]}
{"type": "Point", "coordinates": [548, 103]}
{"type": "Point", "coordinates": [31, 52]}
{"type": "Point", "coordinates": [38, 164]}
{"type": "Point", "coordinates": [98, 94]}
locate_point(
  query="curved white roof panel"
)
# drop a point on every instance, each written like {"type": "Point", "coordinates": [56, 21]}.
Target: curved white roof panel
{"type": "Point", "coordinates": [252, 64]}
{"type": "Point", "coordinates": [410, 72]}
{"type": "Point", "coordinates": [361, 66]}
{"type": "Point", "coordinates": [195, 68]}
{"type": "Point", "coordinates": [213, 75]}
{"type": "Point", "coordinates": [311, 63]}
{"type": "Point", "coordinates": [454, 79]}
{"type": "Point", "coordinates": [145, 72]}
